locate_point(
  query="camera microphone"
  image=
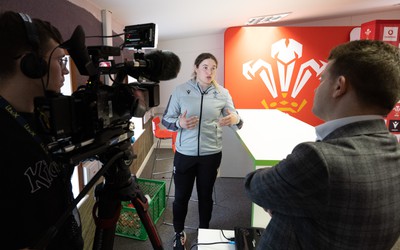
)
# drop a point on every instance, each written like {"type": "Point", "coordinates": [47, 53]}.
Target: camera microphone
{"type": "Point", "coordinates": [165, 65]}
{"type": "Point", "coordinates": [157, 66]}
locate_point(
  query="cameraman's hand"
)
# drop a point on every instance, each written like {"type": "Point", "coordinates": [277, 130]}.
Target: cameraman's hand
{"type": "Point", "coordinates": [188, 123]}
{"type": "Point", "coordinates": [231, 119]}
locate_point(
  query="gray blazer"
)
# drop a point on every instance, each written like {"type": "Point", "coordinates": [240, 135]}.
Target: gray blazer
{"type": "Point", "coordinates": [339, 193]}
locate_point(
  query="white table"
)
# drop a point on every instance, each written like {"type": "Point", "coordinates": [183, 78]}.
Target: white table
{"type": "Point", "coordinates": [215, 235]}
{"type": "Point", "coordinates": [269, 135]}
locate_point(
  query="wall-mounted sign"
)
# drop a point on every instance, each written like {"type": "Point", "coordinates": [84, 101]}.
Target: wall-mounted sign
{"type": "Point", "coordinates": [383, 30]}
{"type": "Point", "coordinates": [278, 67]}
{"type": "Point", "coordinates": [393, 119]}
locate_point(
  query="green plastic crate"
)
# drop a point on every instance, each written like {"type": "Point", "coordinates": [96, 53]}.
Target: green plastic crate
{"type": "Point", "coordinates": [129, 224]}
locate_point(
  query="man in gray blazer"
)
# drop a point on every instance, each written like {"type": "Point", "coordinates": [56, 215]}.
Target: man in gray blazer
{"type": "Point", "coordinates": [342, 191]}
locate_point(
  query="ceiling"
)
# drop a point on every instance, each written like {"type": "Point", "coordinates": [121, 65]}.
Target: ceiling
{"type": "Point", "coordinates": [184, 18]}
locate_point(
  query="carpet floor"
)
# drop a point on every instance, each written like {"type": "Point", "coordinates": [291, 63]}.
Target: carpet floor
{"type": "Point", "coordinates": [231, 208]}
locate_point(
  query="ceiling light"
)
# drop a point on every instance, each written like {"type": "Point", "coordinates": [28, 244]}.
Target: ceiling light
{"type": "Point", "coordinates": [266, 19]}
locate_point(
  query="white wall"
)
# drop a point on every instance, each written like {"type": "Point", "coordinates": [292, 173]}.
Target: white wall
{"type": "Point", "coordinates": [187, 50]}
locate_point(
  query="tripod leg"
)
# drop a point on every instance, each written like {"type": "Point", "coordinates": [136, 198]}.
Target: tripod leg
{"type": "Point", "coordinates": [105, 220]}
{"type": "Point", "coordinates": [120, 185]}
{"type": "Point", "coordinates": [142, 211]}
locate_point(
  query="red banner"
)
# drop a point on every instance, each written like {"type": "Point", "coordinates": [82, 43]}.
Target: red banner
{"type": "Point", "coordinates": [278, 67]}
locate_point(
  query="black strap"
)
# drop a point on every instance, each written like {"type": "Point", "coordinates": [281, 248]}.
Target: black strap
{"type": "Point", "coordinates": [22, 122]}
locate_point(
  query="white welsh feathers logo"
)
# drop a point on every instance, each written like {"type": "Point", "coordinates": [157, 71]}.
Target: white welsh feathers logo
{"type": "Point", "coordinates": [285, 53]}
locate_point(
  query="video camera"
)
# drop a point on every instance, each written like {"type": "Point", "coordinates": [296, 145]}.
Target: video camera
{"type": "Point", "coordinates": [97, 115]}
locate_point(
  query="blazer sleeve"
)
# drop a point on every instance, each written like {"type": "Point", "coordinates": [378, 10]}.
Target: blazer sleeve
{"type": "Point", "coordinates": [297, 185]}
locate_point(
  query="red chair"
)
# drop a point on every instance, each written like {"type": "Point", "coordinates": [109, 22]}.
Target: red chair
{"type": "Point", "coordinates": [160, 134]}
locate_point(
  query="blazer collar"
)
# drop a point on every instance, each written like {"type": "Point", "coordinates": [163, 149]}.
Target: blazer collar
{"type": "Point", "coordinates": [326, 128]}
{"type": "Point", "coordinates": [362, 127]}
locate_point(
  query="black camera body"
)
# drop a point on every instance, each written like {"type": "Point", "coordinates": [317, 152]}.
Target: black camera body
{"type": "Point", "coordinates": [89, 111]}
{"type": "Point", "coordinates": [96, 115]}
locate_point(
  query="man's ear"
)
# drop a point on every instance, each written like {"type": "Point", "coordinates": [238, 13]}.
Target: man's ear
{"type": "Point", "coordinates": [340, 87]}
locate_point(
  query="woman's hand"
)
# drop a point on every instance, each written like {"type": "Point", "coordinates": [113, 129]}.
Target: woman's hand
{"type": "Point", "coordinates": [188, 123]}
{"type": "Point", "coordinates": [231, 119]}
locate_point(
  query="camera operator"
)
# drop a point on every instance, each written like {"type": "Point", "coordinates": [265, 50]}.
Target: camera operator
{"type": "Point", "coordinates": [36, 191]}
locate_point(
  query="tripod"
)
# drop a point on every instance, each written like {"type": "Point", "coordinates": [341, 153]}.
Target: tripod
{"type": "Point", "coordinates": [119, 185]}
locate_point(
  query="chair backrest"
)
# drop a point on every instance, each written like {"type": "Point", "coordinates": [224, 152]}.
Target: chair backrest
{"type": "Point", "coordinates": [158, 131]}
{"type": "Point", "coordinates": [156, 124]}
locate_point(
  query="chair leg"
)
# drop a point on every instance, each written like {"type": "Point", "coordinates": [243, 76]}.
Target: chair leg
{"type": "Point", "coordinates": [215, 196]}
{"type": "Point", "coordinates": [166, 201]}
{"type": "Point", "coordinates": [170, 185]}
{"type": "Point", "coordinates": [155, 158]}
{"type": "Point", "coordinates": [156, 155]}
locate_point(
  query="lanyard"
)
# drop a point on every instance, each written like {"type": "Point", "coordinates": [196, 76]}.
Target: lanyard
{"type": "Point", "coordinates": [21, 121]}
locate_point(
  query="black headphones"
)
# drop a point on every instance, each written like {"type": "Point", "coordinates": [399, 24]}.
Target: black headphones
{"type": "Point", "coordinates": [32, 64]}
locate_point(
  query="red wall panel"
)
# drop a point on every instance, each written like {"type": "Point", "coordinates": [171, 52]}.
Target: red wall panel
{"type": "Point", "coordinates": [278, 67]}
